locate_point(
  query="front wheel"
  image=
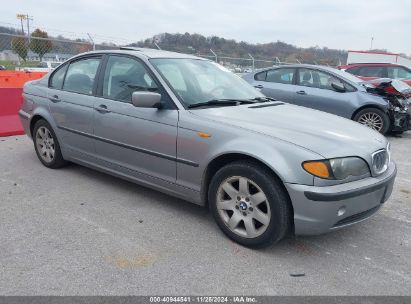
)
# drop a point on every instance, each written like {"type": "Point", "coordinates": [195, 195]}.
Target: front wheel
{"type": "Point", "coordinates": [249, 204]}
{"type": "Point", "coordinates": [374, 119]}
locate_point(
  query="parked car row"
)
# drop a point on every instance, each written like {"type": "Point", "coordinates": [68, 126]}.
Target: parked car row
{"type": "Point", "coordinates": [190, 128]}
{"type": "Point", "coordinates": [43, 66]}
{"type": "Point", "coordinates": [382, 104]}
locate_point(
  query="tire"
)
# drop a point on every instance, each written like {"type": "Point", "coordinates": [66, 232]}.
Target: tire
{"type": "Point", "coordinates": [47, 146]}
{"type": "Point", "coordinates": [373, 118]}
{"type": "Point", "coordinates": [249, 218]}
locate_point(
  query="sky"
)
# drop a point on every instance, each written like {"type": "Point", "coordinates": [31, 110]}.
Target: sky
{"type": "Point", "coordinates": [342, 24]}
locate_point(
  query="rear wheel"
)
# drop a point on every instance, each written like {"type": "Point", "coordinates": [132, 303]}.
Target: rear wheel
{"type": "Point", "coordinates": [249, 204]}
{"type": "Point", "coordinates": [374, 119]}
{"type": "Point", "coordinates": [47, 146]}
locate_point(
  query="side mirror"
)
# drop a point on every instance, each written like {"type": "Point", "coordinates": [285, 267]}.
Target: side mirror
{"type": "Point", "coordinates": [338, 86]}
{"type": "Point", "coordinates": [146, 100]}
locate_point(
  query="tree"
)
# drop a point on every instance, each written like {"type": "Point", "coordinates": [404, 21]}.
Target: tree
{"type": "Point", "coordinates": [19, 46]}
{"type": "Point", "coordinates": [41, 45]}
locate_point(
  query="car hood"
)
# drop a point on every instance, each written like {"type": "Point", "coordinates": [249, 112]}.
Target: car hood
{"type": "Point", "coordinates": [325, 134]}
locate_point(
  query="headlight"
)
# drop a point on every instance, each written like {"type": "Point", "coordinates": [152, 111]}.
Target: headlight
{"type": "Point", "coordinates": [337, 168]}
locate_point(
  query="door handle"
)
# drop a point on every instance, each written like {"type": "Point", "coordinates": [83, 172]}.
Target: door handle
{"type": "Point", "coordinates": [301, 92]}
{"type": "Point", "coordinates": [102, 109]}
{"type": "Point", "coordinates": [54, 98]}
{"type": "Point", "coordinates": [259, 86]}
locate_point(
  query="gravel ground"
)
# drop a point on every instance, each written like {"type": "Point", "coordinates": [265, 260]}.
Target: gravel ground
{"type": "Point", "coordinates": [75, 231]}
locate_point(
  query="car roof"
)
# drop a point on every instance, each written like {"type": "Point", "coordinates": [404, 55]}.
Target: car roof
{"type": "Point", "coordinates": [145, 52]}
{"type": "Point", "coordinates": [350, 65]}
{"type": "Point", "coordinates": [311, 66]}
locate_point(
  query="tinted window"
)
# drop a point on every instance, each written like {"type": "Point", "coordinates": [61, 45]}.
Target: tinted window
{"type": "Point", "coordinates": [353, 70]}
{"type": "Point", "coordinates": [57, 78]}
{"type": "Point", "coordinates": [398, 73]}
{"type": "Point", "coordinates": [280, 76]}
{"type": "Point", "coordinates": [317, 79]}
{"type": "Point", "coordinates": [123, 76]}
{"type": "Point", "coordinates": [81, 75]}
{"type": "Point", "coordinates": [260, 76]}
{"type": "Point", "coordinates": [371, 71]}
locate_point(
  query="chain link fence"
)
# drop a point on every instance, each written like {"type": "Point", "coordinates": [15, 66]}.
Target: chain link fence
{"type": "Point", "coordinates": [19, 52]}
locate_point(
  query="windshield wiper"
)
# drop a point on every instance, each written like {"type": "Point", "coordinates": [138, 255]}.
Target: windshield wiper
{"type": "Point", "coordinates": [264, 99]}
{"type": "Point", "coordinates": [221, 102]}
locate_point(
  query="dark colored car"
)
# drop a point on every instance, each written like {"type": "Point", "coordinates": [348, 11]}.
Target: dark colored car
{"type": "Point", "coordinates": [371, 71]}
{"type": "Point", "coordinates": [334, 91]}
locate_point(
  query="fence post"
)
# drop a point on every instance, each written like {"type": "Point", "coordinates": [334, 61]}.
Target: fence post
{"type": "Point", "coordinates": [215, 55]}
{"type": "Point", "coordinates": [252, 58]}
{"type": "Point", "coordinates": [92, 41]}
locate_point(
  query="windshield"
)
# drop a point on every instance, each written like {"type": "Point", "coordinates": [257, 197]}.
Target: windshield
{"type": "Point", "coordinates": [197, 81]}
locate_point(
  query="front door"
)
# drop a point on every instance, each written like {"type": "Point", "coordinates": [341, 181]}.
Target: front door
{"type": "Point", "coordinates": [140, 142]}
{"type": "Point", "coordinates": [314, 90]}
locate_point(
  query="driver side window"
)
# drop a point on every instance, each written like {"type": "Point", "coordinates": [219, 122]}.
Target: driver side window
{"type": "Point", "coordinates": [317, 79]}
{"type": "Point", "coordinates": [123, 76]}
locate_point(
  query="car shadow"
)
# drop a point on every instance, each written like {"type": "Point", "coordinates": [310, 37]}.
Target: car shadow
{"type": "Point", "coordinates": [307, 245]}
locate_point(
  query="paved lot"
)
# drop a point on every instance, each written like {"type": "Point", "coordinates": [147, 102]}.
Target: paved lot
{"type": "Point", "coordinates": [79, 232]}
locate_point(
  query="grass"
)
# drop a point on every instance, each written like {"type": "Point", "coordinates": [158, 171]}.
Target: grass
{"type": "Point", "coordinates": [12, 66]}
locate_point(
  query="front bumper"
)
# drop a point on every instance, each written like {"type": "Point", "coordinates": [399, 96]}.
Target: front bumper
{"type": "Point", "coordinates": [318, 210]}
{"type": "Point", "coordinates": [401, 121]}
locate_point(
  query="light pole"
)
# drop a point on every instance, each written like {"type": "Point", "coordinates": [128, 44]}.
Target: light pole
{"type": "Point", "coordinates": [28, 18]}
{"type": "Point", "coordinates": [372, 40]}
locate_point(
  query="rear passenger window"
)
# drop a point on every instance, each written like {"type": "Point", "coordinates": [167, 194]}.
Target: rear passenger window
{"type": "Point", "coordinates": [81, 75]}
{"type": "Point", "coordinates": [56, 81]}
{"type": "Point", "coordinates": [280, 76]}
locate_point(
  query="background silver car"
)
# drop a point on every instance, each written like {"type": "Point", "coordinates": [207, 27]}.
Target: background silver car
{"type": "Point", "coordinates": [190, 128]}
{"type": "Point", "coordinates": [330, 90]}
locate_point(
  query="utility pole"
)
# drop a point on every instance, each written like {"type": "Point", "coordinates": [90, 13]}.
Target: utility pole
{"type": "Point", "coordinates": [21, 17]}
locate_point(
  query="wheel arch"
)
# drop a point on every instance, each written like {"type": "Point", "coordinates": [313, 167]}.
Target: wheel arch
{"type": "Point", "coordinates": [372, 106]}
{"type": "Point", "coordinates": [218, 162]}
{"type": "Point", "coordinates": [33, 121]}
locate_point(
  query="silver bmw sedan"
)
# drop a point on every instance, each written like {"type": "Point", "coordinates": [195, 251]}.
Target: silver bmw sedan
{"type": "Point", "coordinates": [188, 127]}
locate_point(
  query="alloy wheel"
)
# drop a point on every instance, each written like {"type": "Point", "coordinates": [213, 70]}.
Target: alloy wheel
{"type": "Point", "coordinates": [372, 120]}
{"type": "Point", "coordinates": [45, 144]}
{"type": "Point", "coordinates": [243, 207]}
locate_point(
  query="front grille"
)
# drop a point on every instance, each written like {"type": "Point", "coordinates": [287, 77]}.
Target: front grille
{"type": "Point", "coordinates": [380, 161]}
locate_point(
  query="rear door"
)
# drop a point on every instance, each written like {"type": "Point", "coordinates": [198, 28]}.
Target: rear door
{"type": "Point", "coordinates": [71, 90]}
{"type": "Point", "coordinates": [140, 142]}
{"type": "Point", "coordinates": [314, 90]}
{"type": "Point", "coordinates": [277, 83]}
